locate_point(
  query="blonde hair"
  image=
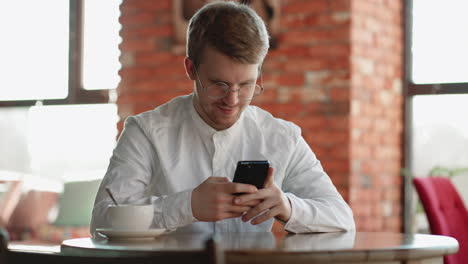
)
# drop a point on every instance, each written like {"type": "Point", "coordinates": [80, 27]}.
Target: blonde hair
{"type": "Point", "coordinates": [231, 28]}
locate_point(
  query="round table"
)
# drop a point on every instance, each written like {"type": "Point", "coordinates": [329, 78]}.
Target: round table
{"type": "Point", "coordinates": [265, 247]}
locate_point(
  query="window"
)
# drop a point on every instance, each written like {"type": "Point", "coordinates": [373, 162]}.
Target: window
{"type": "Point", "coordinates": [436, 40]}
{"type": "Point", "coordinates": [440, 134]}
{"type": "Point", "coordinates": [436, 94]}
{"type": "Point", "coordinates": [58, 52]}
{"type": "Point", "coordinates": [34, 50]}
{"type": "Point", "coordinates": [100, 44]}
{"type": "Point", "coordinates": [64, 55]}
{"type": "Point", "coordinates": [439, 41]}
{"type": "Point", "coordinates": [51, 144]}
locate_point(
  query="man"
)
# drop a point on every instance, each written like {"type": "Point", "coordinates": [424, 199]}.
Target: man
{"type": "Point", "coordinates": [181, 156]}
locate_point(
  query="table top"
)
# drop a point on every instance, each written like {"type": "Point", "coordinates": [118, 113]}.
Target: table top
{"type": "Point", "coordinates": [355, 246]}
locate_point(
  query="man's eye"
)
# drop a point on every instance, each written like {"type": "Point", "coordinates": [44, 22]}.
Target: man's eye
{"type": "Point", "coordinates": [221, 85]}
{"type": "Point", "coordinates": [247, 86]}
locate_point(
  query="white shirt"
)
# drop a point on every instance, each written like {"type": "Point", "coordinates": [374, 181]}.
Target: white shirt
{"type": "Point", "coordinates": [163, 154]}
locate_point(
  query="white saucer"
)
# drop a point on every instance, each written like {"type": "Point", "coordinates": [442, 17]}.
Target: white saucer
{"type": "Point", "coordinates": [123, 234]}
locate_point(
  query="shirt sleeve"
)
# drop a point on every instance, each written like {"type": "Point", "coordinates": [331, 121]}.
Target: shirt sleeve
{"type": "Point", "coordinates": [133, 163]}
{"type": "Point", "coordinates": [316, 204]}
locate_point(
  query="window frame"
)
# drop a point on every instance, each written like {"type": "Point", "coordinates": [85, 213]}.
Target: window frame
{"type": "Point", "coordinates": [411, 89]}
{"type": "Point", "coordinates": [76, 92]}
{"type": "Point", "coordinates": [423, 89]}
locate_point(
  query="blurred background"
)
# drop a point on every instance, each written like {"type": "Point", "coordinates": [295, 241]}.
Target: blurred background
{"type": "Point", "coordinates": [379, 87]}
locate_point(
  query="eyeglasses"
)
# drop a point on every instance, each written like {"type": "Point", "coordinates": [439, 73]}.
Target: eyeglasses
{"type": "Point", "coordinates": [219, 90]}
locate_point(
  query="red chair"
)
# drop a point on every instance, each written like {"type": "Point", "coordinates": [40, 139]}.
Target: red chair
{"type": "Point", "coordinates": [446, 213]}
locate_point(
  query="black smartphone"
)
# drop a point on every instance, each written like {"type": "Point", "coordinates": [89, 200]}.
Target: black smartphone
{"type": "Point", "coordinates": [252, 172]}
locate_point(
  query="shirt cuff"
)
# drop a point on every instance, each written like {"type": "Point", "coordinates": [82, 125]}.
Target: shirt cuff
{"type": "Point", "coordinates": [289, 225]}
{"type": "Point", "coordinates": [177, 210]}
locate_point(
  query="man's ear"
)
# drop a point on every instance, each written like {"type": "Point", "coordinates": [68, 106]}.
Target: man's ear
{"type": "Point", "coordinates": [189, 68]}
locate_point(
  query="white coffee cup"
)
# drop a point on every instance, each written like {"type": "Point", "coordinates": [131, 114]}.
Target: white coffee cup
{"type": "Point", "coordinates": [131, 217]}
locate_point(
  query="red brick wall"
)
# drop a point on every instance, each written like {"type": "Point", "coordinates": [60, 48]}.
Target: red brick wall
{"type": "Point", "coordinates": [309, 79]}
{"type": "Point", "coordinates": [151, 74]}
{"type": "Point", "coordinates": [319, 77]}
{"type": "Point", "coordinates": [376, 114]}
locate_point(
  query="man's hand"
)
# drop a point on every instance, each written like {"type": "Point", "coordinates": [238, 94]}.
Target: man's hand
{"type": "Point", "coordinates": [273, 201]}
{"type": "Point", "coordinates": [213, 199]}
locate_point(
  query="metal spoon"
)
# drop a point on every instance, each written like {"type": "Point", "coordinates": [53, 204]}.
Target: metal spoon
{"type": "Point", "coordinates": [111, 196]}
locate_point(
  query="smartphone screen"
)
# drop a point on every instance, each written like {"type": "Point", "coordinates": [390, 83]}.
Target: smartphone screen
{"type": "Point", "coordinates": [252, 172]}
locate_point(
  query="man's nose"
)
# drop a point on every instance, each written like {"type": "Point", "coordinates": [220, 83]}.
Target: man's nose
{"type": "Point", "coordinates": [232, 98]}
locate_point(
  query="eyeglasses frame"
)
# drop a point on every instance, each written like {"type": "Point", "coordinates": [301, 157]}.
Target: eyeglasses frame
{"type": "Point", "coordinates": [229, 89]}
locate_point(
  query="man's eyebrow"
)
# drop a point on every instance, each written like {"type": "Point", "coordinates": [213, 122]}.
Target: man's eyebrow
{"type": "Point", "coordinates": [251, 80]}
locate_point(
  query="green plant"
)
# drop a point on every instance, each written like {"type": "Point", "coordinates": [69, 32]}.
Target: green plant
{"type": "Point", "coordinates": [444, 171]}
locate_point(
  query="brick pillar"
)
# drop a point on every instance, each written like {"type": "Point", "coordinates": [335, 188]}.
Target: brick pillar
{"type": "Point", "coordinates": [336, 73]}
{"type": "Point", "coordinates": [151, 73]}
{"type": "Point", "coordinates": [376, 114]}
{"type": "Point", "coordinates": [308, 80]}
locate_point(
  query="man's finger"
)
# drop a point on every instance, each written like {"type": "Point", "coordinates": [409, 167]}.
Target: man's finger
{"type": "Point", "coordinates": [234, 187]}
{"type": "Point", "coordinates": [269, 178]}
{"type": "Point", "coordinates": [218, 179]}
{"type": "Point", "coordinates": [238, 209]}
{"type": "Point", "coordinates": [260, 208]}
{"type": "Point", "coordinates": [264, 217]}
{"type": "Point", "coordinates": [231, 215]}
{"type": "Point", "coordinates": [247, 198]}
{"type": "Point", "coordinates": [250, 203]}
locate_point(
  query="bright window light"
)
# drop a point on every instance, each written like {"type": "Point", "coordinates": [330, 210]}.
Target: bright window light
{"type": "Point", "coordinates": [440, 137]}
{"type": "Point", "coordinates": [440, 41]}
{"type": "Point", "coordinates": [34, 49]}
{"type": "Point", "coordinates": [101, 44]}
{"type": "Point", "coordinates": [71, 142]}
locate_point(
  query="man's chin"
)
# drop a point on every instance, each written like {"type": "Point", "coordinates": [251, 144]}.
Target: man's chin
{"type": "Point", "coordinates": [224, 123]}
